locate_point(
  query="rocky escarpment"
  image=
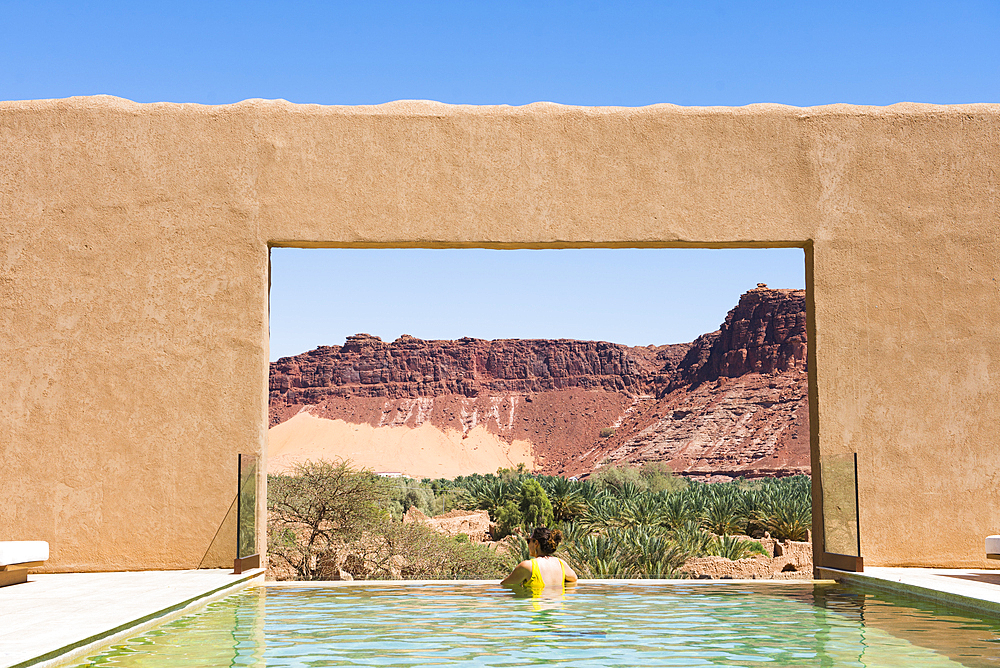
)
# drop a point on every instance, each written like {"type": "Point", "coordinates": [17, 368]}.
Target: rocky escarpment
{"type": "Point", "coordinates": [733, 402]}
{"type": "Point", "coordinates": [752, 425]}
{"type": "Point", "coordinates": [737, 403]}
{"type": "Point", "coordinates": [410, 368]}
{"type": "Point", "coordinates": [764, 334]}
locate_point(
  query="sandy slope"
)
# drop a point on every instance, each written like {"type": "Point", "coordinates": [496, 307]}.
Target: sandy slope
{"type": "Point", "coordinates": [422, 452]}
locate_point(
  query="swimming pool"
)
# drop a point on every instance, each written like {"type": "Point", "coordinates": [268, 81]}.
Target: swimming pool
{"type": "Point", "coordinates": [593, 624]}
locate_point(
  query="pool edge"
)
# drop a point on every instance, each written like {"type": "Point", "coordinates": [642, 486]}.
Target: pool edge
{"type": "Point", "coordinates": [333, 584]}
{"type": "Point", "coordinates": [75, 651]}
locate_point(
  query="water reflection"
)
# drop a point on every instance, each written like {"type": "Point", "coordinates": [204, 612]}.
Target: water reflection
{"type": "Point", "coordinates": [961, 637]}
{"type": "Point", "coordinates": [223, 634]}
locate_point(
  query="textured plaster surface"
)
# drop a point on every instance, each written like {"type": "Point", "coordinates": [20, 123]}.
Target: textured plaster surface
{"type": "Point", "coordinates": [134, 283]}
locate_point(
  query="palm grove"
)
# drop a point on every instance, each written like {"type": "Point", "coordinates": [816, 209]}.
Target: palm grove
{"type": "Point", "coordinates": [326, 520]}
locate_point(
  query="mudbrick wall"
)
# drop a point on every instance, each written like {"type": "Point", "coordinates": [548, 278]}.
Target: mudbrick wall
{"type": "Point", "coordinates": [134, 240]}
{"type": "Point", "coordinates": [733, 402]}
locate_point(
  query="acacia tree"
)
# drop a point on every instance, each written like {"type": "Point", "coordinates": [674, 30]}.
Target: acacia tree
{"type": "Point", "coordinates": [320, 505]}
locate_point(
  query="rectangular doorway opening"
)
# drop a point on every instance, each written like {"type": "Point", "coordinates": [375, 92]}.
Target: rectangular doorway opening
{"type": "Point", "coordinates": [450, 372]}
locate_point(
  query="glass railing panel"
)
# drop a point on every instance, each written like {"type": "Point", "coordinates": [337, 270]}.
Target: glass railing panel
{"type": "Point", "coordinates": [840, 504]}
{"type": "Point", "coordinates": [246, 503]}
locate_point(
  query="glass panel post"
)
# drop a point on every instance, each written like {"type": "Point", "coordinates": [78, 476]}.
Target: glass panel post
{"type": "Point", "coordinates": [246, 507]}
{"type": "Point", "coordinates": [840, 504]}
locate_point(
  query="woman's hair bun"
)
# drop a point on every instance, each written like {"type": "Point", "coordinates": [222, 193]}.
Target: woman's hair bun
{"type": "Point", "coordinates": [547, 540]}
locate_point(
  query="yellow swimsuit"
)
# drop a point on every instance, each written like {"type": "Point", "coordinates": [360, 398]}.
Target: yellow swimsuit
{"type": "Point", "coordinates": [535, 582]}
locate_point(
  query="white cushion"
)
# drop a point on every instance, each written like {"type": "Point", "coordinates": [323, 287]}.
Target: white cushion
{"type": "Point", "coordinates": [22, 551]}
{"type": "Point", "coordinates": [993, 545]}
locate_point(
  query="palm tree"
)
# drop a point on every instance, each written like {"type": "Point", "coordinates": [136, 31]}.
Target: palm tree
{"type": "Point", "coordinates": [724, 516]}
{"type": "Point", "coordinates": [652, 553]}
{"type": "Point", "coordinates": [733, 548]}
{"type": "Point", "coordinates": [567, 501]}
{"type": "Point", "coordinates": [786, 518]}
{"type": "Point", "coordinates": [645, 510]}
{"type": "Point", "coordinates": [603, 514]}
{"type": "Point", "coordinates": [492, 493]}
{"type": "Point", "coordinates": [693, 539]}
{"type": "Point", "coordinates": [597, 556]}
{"type": "Point", "coordinates": [677, 511]}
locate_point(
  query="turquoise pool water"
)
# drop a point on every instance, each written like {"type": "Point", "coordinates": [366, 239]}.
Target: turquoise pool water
{"type": "Point", "coordinates": [622, 624]}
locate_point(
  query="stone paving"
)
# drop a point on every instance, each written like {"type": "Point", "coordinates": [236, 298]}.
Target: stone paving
{"type": "Point", "coordinates": [53, 616]}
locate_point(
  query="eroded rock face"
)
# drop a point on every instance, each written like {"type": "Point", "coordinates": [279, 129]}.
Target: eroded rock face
{"type": "Point", "coordinates": [764, 334]}
{"type": "Point", "coordinates": [366, 366]}
{"type": "Point", "coordinates": [752, 425]}
{"type": "Point", "coordinates": [732, 402]}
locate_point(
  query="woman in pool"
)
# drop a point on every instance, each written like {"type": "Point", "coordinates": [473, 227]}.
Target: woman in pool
{"type": "Point", "coordinates": [543, 569]}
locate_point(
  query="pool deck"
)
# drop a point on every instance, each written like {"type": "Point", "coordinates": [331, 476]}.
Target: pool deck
{"type": "Point", "coordinates": [55, 618]}
{"type": "Point", "coordinates": [976, 591]}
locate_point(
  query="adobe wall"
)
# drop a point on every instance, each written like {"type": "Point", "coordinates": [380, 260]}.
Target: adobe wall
{"type": "Point", "coordinates": [134, 283]}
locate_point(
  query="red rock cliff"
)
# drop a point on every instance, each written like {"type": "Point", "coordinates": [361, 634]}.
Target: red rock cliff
{"type": "Point", "coordinates": [366, 366]}
{"type": "Point", "coordinates": [733, 402]}
{"type": "Point", "coordinates": [764, 333]}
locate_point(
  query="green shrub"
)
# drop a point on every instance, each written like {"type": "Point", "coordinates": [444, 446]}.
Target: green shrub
{"type": "Point", "coordinates": [536, 509]}
{"type": "Point", "coordinates": [614, 477]}
{"type": "Point", "coordinates": [508, 518]}
{"type": "Point", "coordinates": [451, 499]}
{"type": "Point", "coordinates": [404, 494]}
{"type": "Point", "coordinates": [607, 432]}
{"type": "Point", "coordinates": [516, 473]}
{"type": "Point", "coordinates": [415, 552]}
{"type": "Point", "coordinates": [660, 477]}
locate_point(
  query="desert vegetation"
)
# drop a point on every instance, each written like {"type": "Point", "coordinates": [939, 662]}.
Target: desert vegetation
{"type": "Point", "coordinates": [329, 521]}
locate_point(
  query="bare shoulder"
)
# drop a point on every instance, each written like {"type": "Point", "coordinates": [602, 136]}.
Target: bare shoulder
{"type": "Point", "coordinates": [520, 573]}
{"type": "Point", "coordinates": [570, 574]}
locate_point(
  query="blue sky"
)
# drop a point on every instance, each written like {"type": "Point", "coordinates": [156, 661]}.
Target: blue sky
{"type": "Point", "coordinates": [632, 296]}
{"type": "Point", "coordinates": [585, 53]}
{"type": "Point", "coordinates": [588, 53]}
